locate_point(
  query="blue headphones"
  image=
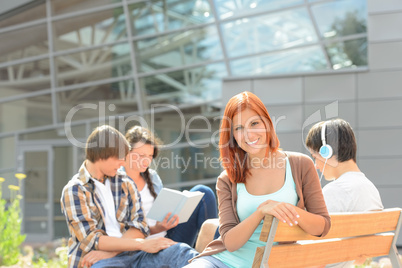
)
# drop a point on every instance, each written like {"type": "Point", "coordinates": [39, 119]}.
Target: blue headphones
{"type": "Point", "coordinates": [326, 149]}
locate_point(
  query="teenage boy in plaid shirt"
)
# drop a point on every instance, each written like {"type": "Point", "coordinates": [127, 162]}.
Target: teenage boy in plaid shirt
{"type": "Point", "coordinates": [104, 215]}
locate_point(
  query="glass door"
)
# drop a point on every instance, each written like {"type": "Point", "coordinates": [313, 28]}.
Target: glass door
{"type": "Point", "coordinates": [67, 160]}
{"type": "Point", "coordinates": [37, 206]}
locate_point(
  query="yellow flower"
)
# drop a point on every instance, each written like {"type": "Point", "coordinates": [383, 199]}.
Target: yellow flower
{"type": "Point", "coordinates": [2, 179]}
{"type": "Point", "coordinates": [20, 176]}
{"type": "Point", "coordinates": [13, 187]}
{"type": "Point", "coordinates": [19, 196]}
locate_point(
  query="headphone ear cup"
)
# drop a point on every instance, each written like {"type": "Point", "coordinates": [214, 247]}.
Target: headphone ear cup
{"type": "Point", "coordinates": [326, 151]}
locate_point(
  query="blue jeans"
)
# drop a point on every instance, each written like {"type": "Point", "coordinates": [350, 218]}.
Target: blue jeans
{"type": "Point", "coordinates": [173, 257]}
{"type": "Point", "coordinates": [187, 232]}
{"type": "Point", "coordinates": [206, 262]}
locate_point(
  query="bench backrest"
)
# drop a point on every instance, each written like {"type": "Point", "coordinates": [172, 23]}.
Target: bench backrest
{"type": "Point", "coordinates": [352, 236]}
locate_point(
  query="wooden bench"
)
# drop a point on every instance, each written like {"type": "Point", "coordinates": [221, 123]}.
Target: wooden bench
{"type": "Point", "coordinates": [352, 236]}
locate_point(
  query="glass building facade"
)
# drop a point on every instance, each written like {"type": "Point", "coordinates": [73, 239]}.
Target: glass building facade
{"type": "Point", "coordinates": [69, 66]}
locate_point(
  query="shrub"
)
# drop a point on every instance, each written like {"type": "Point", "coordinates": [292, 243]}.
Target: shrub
{"type": "Point", "coordinates": [10, 224]}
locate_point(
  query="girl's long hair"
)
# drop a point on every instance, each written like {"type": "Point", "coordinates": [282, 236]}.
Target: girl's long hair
{"type": "Point", "coordinates": [233, 158]}
{"type": "Point", "coordinates": [138, 134]}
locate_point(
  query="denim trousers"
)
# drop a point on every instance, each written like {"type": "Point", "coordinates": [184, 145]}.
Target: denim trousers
{"type": "Point", "coordinates": [187, 232]}
{"type": "Point", "coordinates": [206, 262]}
{"type": "Point", "coordinates": [175, 256]}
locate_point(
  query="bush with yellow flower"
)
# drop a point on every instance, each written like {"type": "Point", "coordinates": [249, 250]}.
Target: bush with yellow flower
{"type": "Point", "coordinates": [10, 223]}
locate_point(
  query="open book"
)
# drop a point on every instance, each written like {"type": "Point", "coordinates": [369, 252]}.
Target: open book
{"type": "Point", "coordinates": [180, 203]}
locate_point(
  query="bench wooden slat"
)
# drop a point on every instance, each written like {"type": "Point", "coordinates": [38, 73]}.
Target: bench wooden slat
{"type": "Point", "coordinates": [352, 236]}
{"type": "Point", "coordinates": [316, 253]}
{"type": "Point", "coordinates": [343, 225]}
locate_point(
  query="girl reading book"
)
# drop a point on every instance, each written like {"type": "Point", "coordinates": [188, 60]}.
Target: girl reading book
{"type": "Point", "coordinates": [144, 148]}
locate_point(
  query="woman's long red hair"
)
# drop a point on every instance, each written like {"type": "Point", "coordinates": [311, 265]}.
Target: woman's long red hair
{"type": "Point", "coordinates": [233, 157]}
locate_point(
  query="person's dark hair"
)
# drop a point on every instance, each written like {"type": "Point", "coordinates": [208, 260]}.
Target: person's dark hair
{"type": "Point", "coordinates": [105, 142]}
{"type": "Point", "coordinates": [138, 136]}
{"type": "Point", "coordinates": [338, 134]}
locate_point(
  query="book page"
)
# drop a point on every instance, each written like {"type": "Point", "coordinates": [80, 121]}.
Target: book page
{"type": "Point", "coordinates": [189, 206]}
{"type": "Point", "coordinates": [169, 200]}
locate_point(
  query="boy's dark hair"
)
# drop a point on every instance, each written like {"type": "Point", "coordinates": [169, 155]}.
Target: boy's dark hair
{"type": "Point", "coordinates": [104, 142]}
{"type": "Point", "coordinates": [339, 135]}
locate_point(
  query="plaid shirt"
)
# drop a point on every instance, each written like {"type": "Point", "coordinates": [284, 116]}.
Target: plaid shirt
{"type": "Point", "coordinates": [84, 212]}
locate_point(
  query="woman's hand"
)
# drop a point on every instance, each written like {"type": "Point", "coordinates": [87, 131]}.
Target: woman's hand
{"type": "Point", "coordinates": [167, 223]}
{"type": "Point", "coordinates": [284, 212]}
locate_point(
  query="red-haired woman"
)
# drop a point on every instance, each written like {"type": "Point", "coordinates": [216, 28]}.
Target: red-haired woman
{"type": "Point", "coordinates": [259, 179]}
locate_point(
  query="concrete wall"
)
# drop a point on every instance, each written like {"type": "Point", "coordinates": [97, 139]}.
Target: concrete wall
{"type": "Point", "coordinates": [371, 100]}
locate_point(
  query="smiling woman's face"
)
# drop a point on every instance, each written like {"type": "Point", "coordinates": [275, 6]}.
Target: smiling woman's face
{"type": "Point", "coordinates": [250, 132]}
{"type": "Point", "coordinates": [140, 158]}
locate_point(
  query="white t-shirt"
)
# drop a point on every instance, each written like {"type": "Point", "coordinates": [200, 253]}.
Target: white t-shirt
{"type": "Point", "coordinates": [352, 192]}
{"type": "Point", "coordinates": [104, 193]}
{"type": "Point", "coordinates": [147, 201]}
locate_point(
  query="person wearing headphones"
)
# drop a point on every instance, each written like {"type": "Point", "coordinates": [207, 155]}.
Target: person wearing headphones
{"type": "Point", "coordinates": [332, 145]}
